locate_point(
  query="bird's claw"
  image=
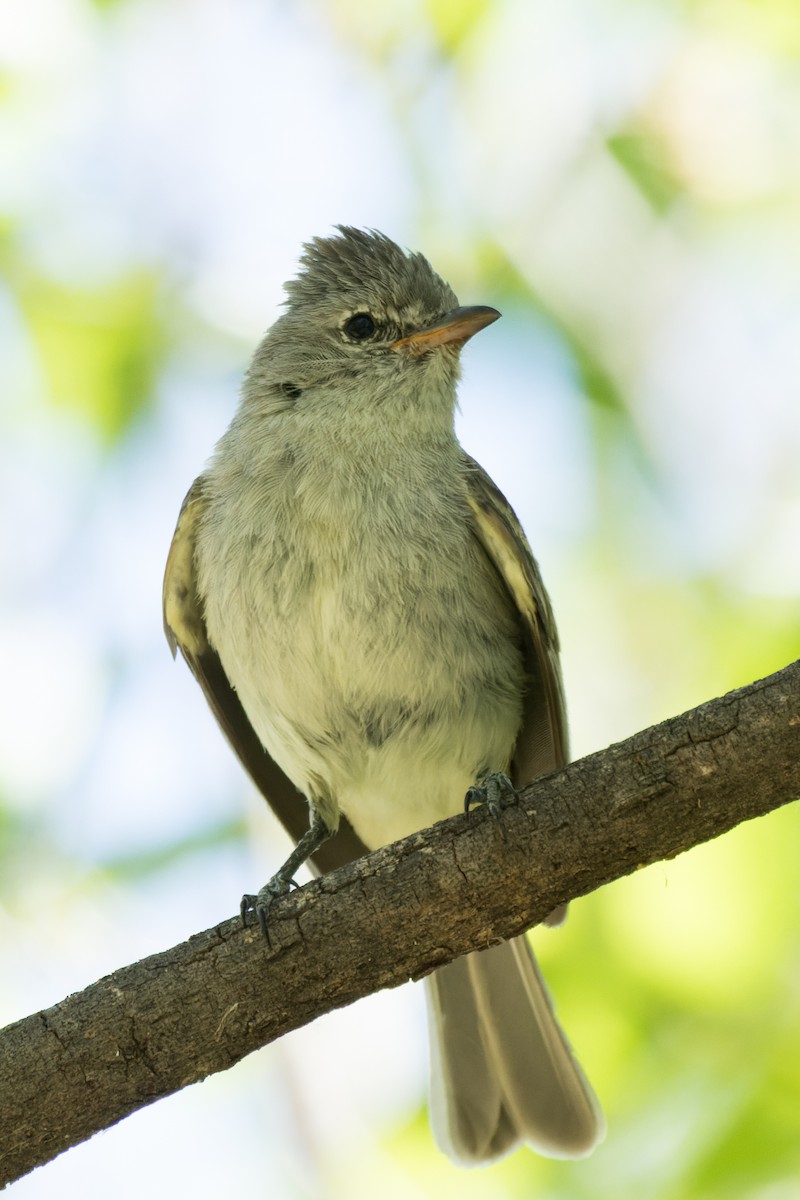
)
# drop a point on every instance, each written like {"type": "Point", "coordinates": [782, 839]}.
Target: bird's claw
{"type": "Point", "coordinates": [261, 903]}
{"type": "Point", "coordinates": [495, 791]}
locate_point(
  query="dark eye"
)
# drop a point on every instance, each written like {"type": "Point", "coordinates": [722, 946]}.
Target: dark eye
{"type": "Point", "coordinates": [359, 327]}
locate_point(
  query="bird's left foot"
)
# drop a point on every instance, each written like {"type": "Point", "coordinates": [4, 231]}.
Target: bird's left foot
{"type": "Point", "coordinates": [282, 881]}
{"type": "Point", "coordinates": [261, 903]}
{"type": "Point", "coordinates": [495, 790]}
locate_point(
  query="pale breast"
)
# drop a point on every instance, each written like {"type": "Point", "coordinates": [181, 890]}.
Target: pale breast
{"type": "Point", "coordinates": [373, 646]}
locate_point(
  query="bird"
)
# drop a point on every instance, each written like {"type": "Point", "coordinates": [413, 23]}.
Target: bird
{"type": "Point", "coordinates": [362, 610]}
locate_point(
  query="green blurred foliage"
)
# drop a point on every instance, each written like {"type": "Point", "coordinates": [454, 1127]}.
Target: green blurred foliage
{"type": "Point", "coordinates": [648, 166]}
{"type": "Point", "coordinates": [100, 348]}
{"type": "Point", "coordinates": [455, 23]}
{"type": "Point", "coordinates": [772, 25]}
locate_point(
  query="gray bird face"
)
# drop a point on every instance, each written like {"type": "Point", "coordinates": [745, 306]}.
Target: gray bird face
{"type": "Point", "coordinates": [362, 309]}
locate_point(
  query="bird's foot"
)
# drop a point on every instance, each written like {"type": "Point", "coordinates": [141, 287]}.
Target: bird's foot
{"type": "Point", "coordinates": [282, 881]}
{"type": "Point", "coordinates": [495, 790]}
{"type": "Point", "coordinates": [261, 903]}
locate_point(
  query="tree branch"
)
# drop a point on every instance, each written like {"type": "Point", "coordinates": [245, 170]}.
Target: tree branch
{"type": "Point", "coordinates": [174, 1018]}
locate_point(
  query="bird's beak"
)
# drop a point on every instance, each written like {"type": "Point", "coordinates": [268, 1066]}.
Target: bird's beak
{"type": "Point", "coordinates": [454, 328]}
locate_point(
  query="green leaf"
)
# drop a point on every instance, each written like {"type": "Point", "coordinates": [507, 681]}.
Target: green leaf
{"type": "Point", "coordinates": [455, 21]}
{"type": "Point", "coordinates": [647, 166]}
{"type": "Point", "coordinates": [99, 348]}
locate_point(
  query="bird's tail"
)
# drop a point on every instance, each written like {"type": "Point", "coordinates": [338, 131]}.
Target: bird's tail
{"type": "Point", "coordinates": [502, 1070]}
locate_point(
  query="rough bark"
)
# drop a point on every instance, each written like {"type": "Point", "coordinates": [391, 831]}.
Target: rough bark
{"type": "Point", "coordinates": [174, 1018]}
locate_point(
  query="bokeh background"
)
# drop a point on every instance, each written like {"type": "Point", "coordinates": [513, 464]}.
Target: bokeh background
{"type": "Point", "coordinates": [622, 180]}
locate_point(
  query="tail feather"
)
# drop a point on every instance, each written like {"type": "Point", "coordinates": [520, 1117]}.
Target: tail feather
{"type": "Point", "coordinates": [502, 1070]}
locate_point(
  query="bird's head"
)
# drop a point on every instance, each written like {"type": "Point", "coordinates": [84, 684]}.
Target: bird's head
{"type": "Point", "coordinates": [362, 310]}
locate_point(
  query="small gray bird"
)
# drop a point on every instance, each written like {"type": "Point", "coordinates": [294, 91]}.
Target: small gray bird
{"type": "Point", "coordinates": [368, 624]}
